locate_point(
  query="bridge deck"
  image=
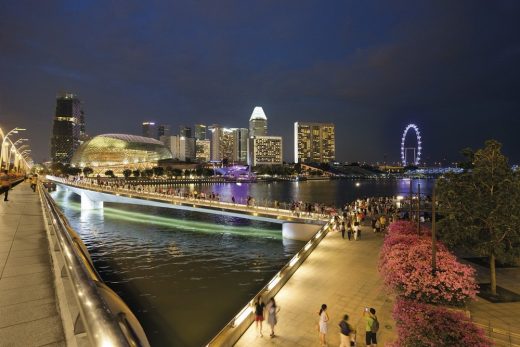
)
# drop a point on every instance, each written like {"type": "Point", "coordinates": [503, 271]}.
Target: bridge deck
{"type": "Point", "coordinates": [28, 312]}
{"type": "Point", "coordinates": [340, 273]}
{"type": "Point", "coordinates": [276, 214]}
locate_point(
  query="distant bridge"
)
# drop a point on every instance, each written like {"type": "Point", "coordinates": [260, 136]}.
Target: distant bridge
{"type": "Point", "coordinates": [93, 197]}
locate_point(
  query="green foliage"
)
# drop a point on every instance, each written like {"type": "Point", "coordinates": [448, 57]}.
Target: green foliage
{"type": "Point", "coordinates": [127, 173]}
{"type": "Point", "coordinates": [110, 173]}
{"type": "Point", "coordinates": [87, 171]}
{"type": "Point", "coordinates": [136, 173]}
{"type": "Point", "coordinates": [73, 171]}
{"type": "Point", "coordinates": [57, 168]}
{"type": "Point", "coordinates": [148, 173]}
{"type": "Point", "coordinates": [481, 207]}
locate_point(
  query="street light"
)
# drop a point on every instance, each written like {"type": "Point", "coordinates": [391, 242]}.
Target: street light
{"type": "Point", "coordinates": [12, 131]}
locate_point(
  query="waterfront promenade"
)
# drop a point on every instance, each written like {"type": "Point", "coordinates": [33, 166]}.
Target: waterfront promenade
{"type": "Point", "coordinates": [338, 273]}
{"type": "Point", "coordinates": [28, 310]}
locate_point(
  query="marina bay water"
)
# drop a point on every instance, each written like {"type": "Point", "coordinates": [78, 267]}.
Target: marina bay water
{"type": "Point", "coordinates": [330, 192]}
{"type": "Point", "coordinates": [186, 274]}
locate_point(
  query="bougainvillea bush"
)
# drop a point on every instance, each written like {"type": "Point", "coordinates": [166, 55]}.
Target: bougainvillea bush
{"type": "Point", "coordinates": [405, 264]}
{"type": "Point", "coordinates": [423, 325]}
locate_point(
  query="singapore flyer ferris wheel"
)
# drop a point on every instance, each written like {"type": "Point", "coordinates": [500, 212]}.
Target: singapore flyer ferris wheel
{"type": "Point", "coordinates": [414, 151]}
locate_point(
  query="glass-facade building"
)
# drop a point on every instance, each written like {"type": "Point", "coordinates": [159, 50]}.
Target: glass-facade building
{"type": "Point", "coordinates": [67, 129]}
{"type": "Point", "coordinates": [149, 130]}
{"type": "Point", "coordinates": [200, 132]}
{"type": "Point", "coordinates": [120, 151]}
{"type": "Point", "coordinates": [314, 142]}
{"type": "Point", "coordinates": [258, 122]}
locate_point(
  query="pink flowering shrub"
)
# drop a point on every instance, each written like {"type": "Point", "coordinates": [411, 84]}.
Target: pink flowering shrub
{"type": "Point", "coordinates": [422, 325]}
{"type": "Point", "coordinates": [405, 264]}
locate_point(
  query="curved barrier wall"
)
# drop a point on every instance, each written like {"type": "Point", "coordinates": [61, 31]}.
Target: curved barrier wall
{"type": "Point", "coordinates": [94, 310]}
{"type": "Point", "coordinates": [230, 334]}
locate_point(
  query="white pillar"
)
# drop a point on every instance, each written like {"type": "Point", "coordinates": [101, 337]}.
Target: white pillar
{"type": "Point", "coordinates": [299, 231]}
{"type": "Point", "coordinates": [88, 204]}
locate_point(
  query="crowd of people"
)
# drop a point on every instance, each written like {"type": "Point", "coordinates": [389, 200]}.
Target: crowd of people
{"type": "Point", "coordinates": [347, 332]}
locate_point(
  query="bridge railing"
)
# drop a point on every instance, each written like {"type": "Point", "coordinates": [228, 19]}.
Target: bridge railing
{"type": "Point", "coordinates": [264, 205]}
{"type": "Point", "coordinates": [234, 329]}
{"type": "Point", "coordinates": [94, 310]}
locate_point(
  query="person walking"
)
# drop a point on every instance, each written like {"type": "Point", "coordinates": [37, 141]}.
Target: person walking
{"type": "Point", "coordinates": [272, 311]}
{"type": "Point", "coordinates": [323, 324]}
{"type": "Point", "coordinates": [371, 327]}
{"type": "Point", "coordinates": [347, 334]}
{"type": "Point", "coordinates": [349, 230]}
{"type": "Point", "coordinates": [34, 182]}
{"type": "Point", "coordinates": [259, 315]}
{"type": "Point", "coordinates": [343, 230]}
{"type": "Point", "coordinates": [5, 185]}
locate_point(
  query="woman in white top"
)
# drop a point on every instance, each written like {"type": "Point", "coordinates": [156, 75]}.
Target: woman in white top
{"type": "Point", "coordinates": [324, 319]}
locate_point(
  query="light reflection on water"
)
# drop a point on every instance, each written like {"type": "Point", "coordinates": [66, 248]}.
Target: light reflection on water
{"type": "Point", "coordinates": [184, 275]}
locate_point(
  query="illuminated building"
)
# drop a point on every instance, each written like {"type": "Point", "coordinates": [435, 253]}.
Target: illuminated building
{"type": "Point", "coordinates": [258, 122]}
{"type": "Point", "coordinates": [314, 142]}
{"type": "Point", "coordinates": [149, 129]}
{"type": "Point", "coordinates": [240, 139]}
{"type": "Point", "coordinates": [120, 151]}
{"type": "Point", "coordinates": [68, 127]}
{"type": "Point", "coordinates": [216, 136]}
{"type": "Point", "coordinates": [200, 132]}
{"type": "Point", "coordinates": [182, 148]}
{"type": "Point", "coordinates": [203, 150]}
{"type": "Point", "coordinates": [267, 150]}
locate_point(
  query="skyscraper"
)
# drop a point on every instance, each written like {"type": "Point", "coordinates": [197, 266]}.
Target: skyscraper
{"type": "Point", "coordinates": [267, 150]}
{"type": "Point", "coordinates": [216, 137]}
{"type": "Point", "coordinates": [200, 132]}
{"type": "Point", "coordinates": [149, 129]}
{"type": "Point", "coordinates": [185, 131]}
{"type": "Point", "coordinates": [258, 123]}
{"type": "Point", "coordinates": [314, 142]}
{"type": "Point", "coordinates": [68, 124]}
{"type": "Point", "coordinates": [203, 150]}
{"type": "Point", "coordinates": [240, 140]}
{"type": "Point", "coordinates": [163, 130]}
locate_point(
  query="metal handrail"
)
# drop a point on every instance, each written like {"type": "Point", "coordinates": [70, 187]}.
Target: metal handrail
{"type": "Point", "coordinates": [103, 326]}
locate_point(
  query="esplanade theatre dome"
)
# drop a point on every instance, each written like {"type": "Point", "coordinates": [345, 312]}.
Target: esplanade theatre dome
{"type": "Point", "coordinates": [120, 151]}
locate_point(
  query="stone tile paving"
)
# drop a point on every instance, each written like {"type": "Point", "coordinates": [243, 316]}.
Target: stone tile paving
{"type": "Point", "coordinates": [28, 313]}
{"type": "Point", "coordinates": [338, 273]}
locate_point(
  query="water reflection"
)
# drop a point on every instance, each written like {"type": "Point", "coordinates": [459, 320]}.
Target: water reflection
{"type": "Point", "coordinates": [184, 274]}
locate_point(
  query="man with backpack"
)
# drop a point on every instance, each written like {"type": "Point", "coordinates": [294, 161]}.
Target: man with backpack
{"type": "Point", "coordinates": [347, 333]}
{"type": "Point", "coordinates": [372, 327]}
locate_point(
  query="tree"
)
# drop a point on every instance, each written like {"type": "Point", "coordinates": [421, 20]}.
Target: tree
{"type": "Point", "coordinates": [148, 172]}
{"type": "Point", "coordinates": [169, 171]}
{"type": "Point", "coordinates": [57, 168]}
{"type": "Point", "coordinates": [87, 171]}
{"type": "Point", "coordinates": [136, 173]}
{"type": "Point", "coordinates": [127, 173]}
{"type": "Point", "coordinates": [73, 171]}
{"type": "Point", "coordinates": [109, 173]}
{"type": "Point", "coordinates": [158, 171]}
{"type": "Point", "coordinates": [481, 208]}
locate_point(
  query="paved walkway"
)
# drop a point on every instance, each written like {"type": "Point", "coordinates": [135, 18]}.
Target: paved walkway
{"type": "Point", "coordinates": [28, 312]}
{"type": "Point", "coordinates": [338, 273]}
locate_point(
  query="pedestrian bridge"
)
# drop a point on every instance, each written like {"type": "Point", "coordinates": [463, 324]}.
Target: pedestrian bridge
{"type": "Point", "coordinates": [299, 227]}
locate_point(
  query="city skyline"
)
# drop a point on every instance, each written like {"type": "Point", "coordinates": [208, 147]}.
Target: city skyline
{"type": "Point", "coordinates": [450, 68]}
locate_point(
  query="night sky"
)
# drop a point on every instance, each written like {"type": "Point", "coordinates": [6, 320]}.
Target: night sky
{"type": "Point", "coordinates": [451, 67]}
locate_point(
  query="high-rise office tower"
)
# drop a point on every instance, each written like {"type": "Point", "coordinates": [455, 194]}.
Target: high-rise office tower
{"type": "Point", "coordinates": [216, 137]}
{"type": "Point", "coordinates": [240, 140]}
{"type": "Point", "coordinates": [258, 123]}
{"type": "Point", "coordinates": [314, 142]}
{"type": "Point", "coordinates": [200, 132]}
{"type": "Point", "coordinates": [185, 131]}
{"type": "Point", "coordinates": [163, 130]}
{"type": "Point", "coordinates": [203, 150]}
{"type": "Point", "coordinates": [68, 124]}
{"type": "Point", "coordinates": [149, 129]}
{"type": "Point", "coordinates": [266, 150]}
{"type": "Point", "coordinates": [182, 148]}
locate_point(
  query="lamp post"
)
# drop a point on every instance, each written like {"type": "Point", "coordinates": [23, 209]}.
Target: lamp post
{"type": "Point", "coordinates": [2, 151]}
